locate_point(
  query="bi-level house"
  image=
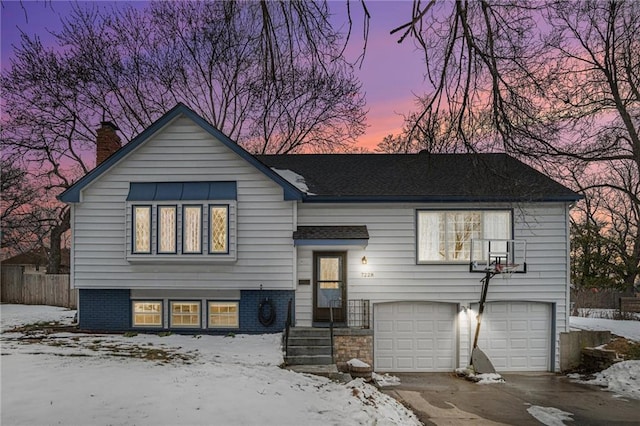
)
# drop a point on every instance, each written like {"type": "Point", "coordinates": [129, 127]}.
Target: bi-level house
{"type": "Point", "coordinates": [181, 229]}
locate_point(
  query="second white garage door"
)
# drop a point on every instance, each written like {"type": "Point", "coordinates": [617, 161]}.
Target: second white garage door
{"type": "Point", "coordinates": [516, 336]}
{"type": "Point", "coordinates": [414, 336]}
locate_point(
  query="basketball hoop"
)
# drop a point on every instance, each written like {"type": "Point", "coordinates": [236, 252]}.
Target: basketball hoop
{"type": "Point", "coordinates": [505, 269]}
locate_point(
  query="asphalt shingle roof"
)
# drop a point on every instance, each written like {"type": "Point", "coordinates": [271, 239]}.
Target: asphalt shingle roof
{"type": "Point", "coordinates": [420, 177]}
{"type": "Point", "coordinates": [331, 233]}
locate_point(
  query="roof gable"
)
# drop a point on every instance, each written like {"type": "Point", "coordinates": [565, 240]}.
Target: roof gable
{"type": "Point", "coordinates": [72, 194]}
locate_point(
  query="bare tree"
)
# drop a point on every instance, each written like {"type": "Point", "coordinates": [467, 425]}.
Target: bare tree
{"type": "Point", "coordinates": [268, 74]}
{"type": "Point", "coordinates": [24, 223]}
{"type": "Point", "coordinates": [565, 93]}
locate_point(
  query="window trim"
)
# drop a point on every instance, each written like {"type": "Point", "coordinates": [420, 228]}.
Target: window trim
{"type": "Point", "coordinates": [228, 302]}
{"type": "Point", "coordinates": [188, 326]}
{"type": "Point", "coordinates": [455, 210]}
{"type": "Point", "coordinates": [133, 228]}
{"type": "Point", "coordinates": [158, 223]}
{"type": "Point", "coordinates": [133, 313]}
{"type": "Point", "coordinates": [210, 230]}
{"type": "Point", "coordinates": [184, 225]}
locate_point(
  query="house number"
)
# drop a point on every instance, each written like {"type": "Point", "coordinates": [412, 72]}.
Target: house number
{"type": "Point", "coordinates": [366, 274]}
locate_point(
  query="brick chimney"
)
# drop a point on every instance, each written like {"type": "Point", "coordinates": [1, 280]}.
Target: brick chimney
{"type": "Point", "coordinates": [107, 141]}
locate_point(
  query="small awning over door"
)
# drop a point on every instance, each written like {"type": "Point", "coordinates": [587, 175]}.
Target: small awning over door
{"type": "Point", "coordinates": [331, 236]}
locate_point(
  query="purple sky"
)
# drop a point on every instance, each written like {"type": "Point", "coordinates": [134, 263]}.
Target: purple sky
{"type": "Point", "coordinates": [390, 74]}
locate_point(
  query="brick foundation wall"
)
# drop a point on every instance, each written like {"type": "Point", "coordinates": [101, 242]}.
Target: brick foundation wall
{"type": "Point", "coordinates": [249, 305]}
{"type": "Point", "coordinates": [352, 343]}
{"type": "Point", "coordinates": [110, 310]}
{"type": "Point", "coordinates": [104, 310]}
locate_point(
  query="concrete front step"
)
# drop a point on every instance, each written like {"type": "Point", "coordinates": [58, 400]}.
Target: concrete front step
{"type": "Point", "coordinates": [309, 346]}
{"type": "Point", "coordinates": [308, 360]}
{"type": "Point", "coordinates": [309, 341]}
{"type": "Point", "coordinates": [325, 370]}
{"type": "Point", "coordinates": [295, 350]}
{"type": "Point", "coordinates": [309, 332]}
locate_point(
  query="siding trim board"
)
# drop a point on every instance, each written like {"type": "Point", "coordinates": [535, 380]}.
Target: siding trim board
{"type": "Point", "coordinates": [182, 191]}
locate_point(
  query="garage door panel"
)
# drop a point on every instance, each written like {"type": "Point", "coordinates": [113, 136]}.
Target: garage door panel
{"type": "Point", "coordinates": [518, 344]}
{"type": "Point", "coordinates": [384, 325]}
{"type": "Point", "coordinates": [424, 326]}
{"type": "Point", "coordinates": [424, 363]}
{"type": "Point", "coordinates": [498, 326]}
{"type": "Point", "coordinates": [423, 336]}
{"type": "Point", "coordinates": [516, 336]}
{"type": "Point", "coordinates": [497, 309]}
{"type": "Point", "coordinates": [498, 344]}
{"type": "Point", "coordinates": [405, 309]}
{"type": "Point", "coordinates": [404, 344]}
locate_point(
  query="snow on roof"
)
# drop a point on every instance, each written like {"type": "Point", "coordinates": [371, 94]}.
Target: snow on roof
{"type": "Point", "coordinates": [294, 179]}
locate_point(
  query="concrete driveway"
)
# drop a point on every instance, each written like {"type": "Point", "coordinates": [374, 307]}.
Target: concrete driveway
{"type": "Point", "coordinates": [444, 399]}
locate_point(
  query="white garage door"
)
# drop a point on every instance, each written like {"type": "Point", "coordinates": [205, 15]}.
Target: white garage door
{"type": "Point", "coordinates": [414, 336]}
{"type": "Point", "coordinates": [516, 336]}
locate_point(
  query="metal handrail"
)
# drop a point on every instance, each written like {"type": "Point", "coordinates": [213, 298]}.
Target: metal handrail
{"type": "Point", "coordinates": [286, 329]}
{"type": "Point", "coordinates": [331, 303]}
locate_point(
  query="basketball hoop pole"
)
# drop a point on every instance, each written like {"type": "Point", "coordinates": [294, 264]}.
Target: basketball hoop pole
{"type": "Point", "coordinates": [483, 299]}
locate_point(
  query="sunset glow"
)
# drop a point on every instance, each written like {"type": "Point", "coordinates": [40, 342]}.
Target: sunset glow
{"type": "Point", "coordinates": [391, 73]}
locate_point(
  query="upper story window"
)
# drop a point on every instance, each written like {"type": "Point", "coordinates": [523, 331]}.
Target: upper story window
{"type": "Point", "coordinates": [167, 229]}
{"type": "Point", "coordinates": [445, 236]}
{"type": "Point", "coordinates": [178, 220]}
{"type": "Point", "coordinates": [192, 229]}
{"type": "Point", "coordinates": [141, 229]}
{"type": "Point", "coordinates": [219, 229]}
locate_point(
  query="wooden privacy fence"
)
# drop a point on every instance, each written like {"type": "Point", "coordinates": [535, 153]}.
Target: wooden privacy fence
{"type": "Point", "coordinates": [36, 289]}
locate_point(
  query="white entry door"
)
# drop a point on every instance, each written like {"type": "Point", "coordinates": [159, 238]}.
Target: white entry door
{"type": "Point", "coordinates": [516, 336]}
{"type": "Point", "coordinates": [414, 336]}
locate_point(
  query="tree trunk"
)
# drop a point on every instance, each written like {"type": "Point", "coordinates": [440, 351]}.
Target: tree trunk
{"type": "Point", "coordinates": [57, 231]}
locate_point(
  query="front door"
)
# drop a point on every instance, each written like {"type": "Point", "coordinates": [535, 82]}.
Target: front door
{"type": "Point", "coordinates": [329, 286]}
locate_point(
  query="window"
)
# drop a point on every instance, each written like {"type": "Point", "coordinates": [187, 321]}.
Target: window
{"type": "Point", "coordinates": [142, 229]}
{"type": "Point", "coordinates": [171, 221]}
{"type": "Point", "coordinates": [185, 314]}
{"type": "Point", "coordinates": [223, 315]}
{"type": "Point", "coordinates": [147, 314]}
{"type": "Point", "coordinates": [219, 229]}
{"type": "Point", "coordinates": [192, 229]}
{"type": "Point", "coordinates": [445, 236]}
{"type": "Point", "coordinates": [167, 226]}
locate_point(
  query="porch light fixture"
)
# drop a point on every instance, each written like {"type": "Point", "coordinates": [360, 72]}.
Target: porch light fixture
{"type": "Point", "coordinates": [364, 260]}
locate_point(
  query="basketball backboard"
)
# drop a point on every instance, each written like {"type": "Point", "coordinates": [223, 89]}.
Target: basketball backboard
{"type": "Point", "coordinates": [499, 256]}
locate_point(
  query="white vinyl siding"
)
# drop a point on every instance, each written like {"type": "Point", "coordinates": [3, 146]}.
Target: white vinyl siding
{"type": "Point", "coordinates": [392, 272]}
{"type": "Point", "coordinates": [183, 152]}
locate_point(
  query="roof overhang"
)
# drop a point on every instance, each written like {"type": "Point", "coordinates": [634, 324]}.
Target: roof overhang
{"type": "Point", "coordinates": [357, 236]}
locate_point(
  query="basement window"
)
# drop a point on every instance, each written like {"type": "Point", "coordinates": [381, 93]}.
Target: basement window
{"type": "Point", "coordinates": [185, 314]}
{"type": "Point", "coordinates": [147, 314]}
{"type": "Point", "coordinates": [223, 315]}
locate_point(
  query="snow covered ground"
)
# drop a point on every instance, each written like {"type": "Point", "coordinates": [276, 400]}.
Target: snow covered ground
{"type": "Point", "coordinates": [629, 329]}
{"type": "Point", "coordinates": [622, 378]}
{"type": "Point", "coordinates": [69, 378]}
